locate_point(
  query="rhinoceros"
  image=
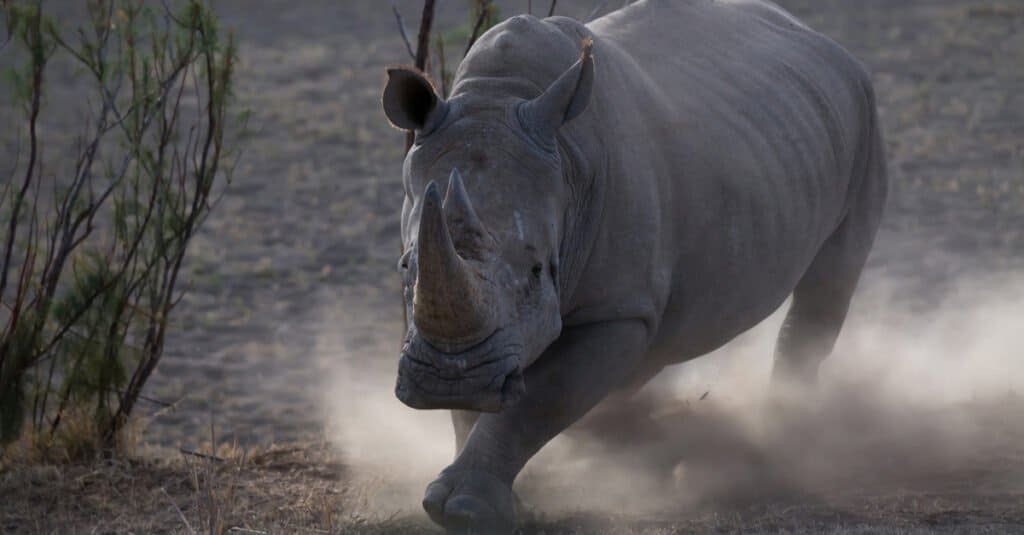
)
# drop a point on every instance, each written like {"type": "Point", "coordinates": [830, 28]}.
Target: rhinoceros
{"type": "Point", "coordinates": [597, 201]}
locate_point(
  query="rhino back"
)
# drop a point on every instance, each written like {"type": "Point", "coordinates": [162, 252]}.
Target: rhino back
{"type": "Point", "coordinates": [731, 134]}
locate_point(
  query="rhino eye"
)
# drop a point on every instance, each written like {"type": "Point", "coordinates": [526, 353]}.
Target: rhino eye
{"type": "Point", "coordinates": [537, 269]}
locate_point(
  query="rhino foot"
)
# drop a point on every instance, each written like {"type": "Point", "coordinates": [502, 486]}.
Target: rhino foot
{"type": "Point", "coordinates": [470, 501]}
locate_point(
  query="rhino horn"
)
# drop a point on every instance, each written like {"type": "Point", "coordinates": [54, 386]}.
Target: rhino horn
{"type": "Point", "coordinates": [471, 236]}
{"type": "Point", "coordinates": [451, 308]}
{"type": "Point", "coordinates": [563, 100]}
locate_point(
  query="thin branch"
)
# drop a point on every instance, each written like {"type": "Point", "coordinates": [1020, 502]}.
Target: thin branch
{"type": "Point", "coordinates": [12, 226]}
{"type": "Point", "coordinates": [205, 456]}
{"type": "Point", "coordinates": [41, 354]}
{"type": "Point", "coordinates": [401, 30]}
{"type": "Point", "coordinates": [423, 38]}
{"type": "Point", "coordinates": [28, 261]}
{"type": "Point", "coordinates": [91, 211]}
{"type": "Point", "coordinates": [147, 399]}
{"type": "Point", "coordinates": [422, 51]}
{"type": "Point", "coordinates": [71, 236]}
{"type": "Point", "coordinates": [551, 12]}
{"type": "Point", "coordinates": [6, 188]}
{"type": "Point", "coordinates": [480, 18]}
{"type": "Point", "coordinates": [204, 166]}
{"type": "Point", "coordinates": [178, 509]}
{"type": "Point", "coordinates": [442, 68]}
{"type": "Point", "coordinates": [10, 29]}
{"type": "Point", "coordinates": [39, 60]}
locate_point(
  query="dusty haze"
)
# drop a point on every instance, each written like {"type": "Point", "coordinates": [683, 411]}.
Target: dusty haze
{"type": "Point", "coordinates": [919, 396]}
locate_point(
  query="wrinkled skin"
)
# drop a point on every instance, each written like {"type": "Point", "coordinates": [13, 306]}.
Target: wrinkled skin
{"type": "Point", "coordinates": [575, 221]}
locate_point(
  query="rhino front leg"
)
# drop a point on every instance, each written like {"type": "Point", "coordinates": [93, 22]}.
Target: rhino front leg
{"type": "Point", "coordinates": [463, 422]}
{"type": "Point", "coordinates": [474, 494]}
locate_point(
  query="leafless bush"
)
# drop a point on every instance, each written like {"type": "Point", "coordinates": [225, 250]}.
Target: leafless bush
{"type": "Point", "coordinates": [91, 258]}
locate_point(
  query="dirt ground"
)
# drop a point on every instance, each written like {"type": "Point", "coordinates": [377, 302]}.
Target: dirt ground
{"type": "Point", "coordinates": [293, 280]}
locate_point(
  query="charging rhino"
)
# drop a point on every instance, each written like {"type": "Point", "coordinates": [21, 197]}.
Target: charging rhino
{"type": "Point", "coordinates": [577, 217]}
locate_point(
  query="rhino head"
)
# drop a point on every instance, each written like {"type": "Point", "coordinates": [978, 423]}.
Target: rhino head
{"type": "Point", "coordinates": [485, 198]}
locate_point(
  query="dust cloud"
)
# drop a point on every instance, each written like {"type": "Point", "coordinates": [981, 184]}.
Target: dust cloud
{"type": "Point", "coordinates": [917, 396]}
{"type": "Point", "coordinates": [391, 449]}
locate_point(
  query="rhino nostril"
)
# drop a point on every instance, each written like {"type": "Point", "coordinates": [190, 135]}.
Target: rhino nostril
{"type": "Point", "coordinates": [537, 270]}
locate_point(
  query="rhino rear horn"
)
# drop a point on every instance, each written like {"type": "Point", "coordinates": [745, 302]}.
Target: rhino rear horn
{"type": "Point", "coordinates": [451, 307]}
{"type": "Point", "coordinates": [471, 237]}
{"type": "Point", "coordinates": [564, 99]}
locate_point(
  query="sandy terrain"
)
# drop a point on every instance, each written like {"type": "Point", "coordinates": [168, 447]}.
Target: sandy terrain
{"type": "Point", "coordinates": [292, 319]}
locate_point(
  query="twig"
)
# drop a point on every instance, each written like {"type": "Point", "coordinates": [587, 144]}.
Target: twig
{"type": "Point", "coordinates": [160, 412]}
{"type": "Point", "coordinates": [9, 180]}
{"type": "Point", "coordinates": [154, 401]}
{"type": "Point", "coordinates": [296, 528]}
{"type": "Point", "coordinates": [442, 68]}
{"type": "Point", "coordinates": [423, 38]}
{"type": "Point", "coordinates": [10, 32]}
{"type": "Point", "coordinates": [551, 12]}
{"type": "Point", "coordinates": [401, 30]}
{"type": "Point", "coordinates": [481, 17]}
{"type": "Point", "coordinates": [178, 509]}
{"type": "Point", "coordinates": [37, 90]}
{"type": "Point", "coordinates": [213, 438]}
{"type": "Point", "coordinates": [265, 456]}
{"type": "Point", "coordinates": [204, 164]}
{"type": "Point", "coordinates": [704, 395]}
{"type": "Point", "coordinates": [69, 226]}
{"type": "Point", "coordinates": [422, 51]}
{"type": "Point", "coordinates": [202, 455]}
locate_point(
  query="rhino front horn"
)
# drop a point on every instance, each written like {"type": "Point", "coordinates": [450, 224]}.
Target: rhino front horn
{"type": "Point", "coordinates": [451, 307]}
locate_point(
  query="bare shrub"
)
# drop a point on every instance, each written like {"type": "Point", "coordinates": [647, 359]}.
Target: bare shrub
{"type": "Point", "coordinates": [91, 256]}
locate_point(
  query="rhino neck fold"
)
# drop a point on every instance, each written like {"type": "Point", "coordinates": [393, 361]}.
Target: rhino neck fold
{"type": "Point", "coordinates": [581, 214]}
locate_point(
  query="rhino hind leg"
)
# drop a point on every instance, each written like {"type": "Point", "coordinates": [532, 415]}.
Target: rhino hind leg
{"type": "Point", "coordinates": [811, 327]}
{"type": "Point", "coordinates": [822, 297]}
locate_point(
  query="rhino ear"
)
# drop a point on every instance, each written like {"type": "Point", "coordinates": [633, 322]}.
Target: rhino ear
{"type": "Point", "coordinates": [410, 101]}
{"type": "Point", "coordinates": [564, 100]}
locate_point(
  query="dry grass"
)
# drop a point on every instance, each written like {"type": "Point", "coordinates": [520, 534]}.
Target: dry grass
{"type": "Point", "coordinates": [306, 488]}
{"type": "Point", "coordinates": [296, 489]}
{"type": "Point", "coordinates": [76, 439]}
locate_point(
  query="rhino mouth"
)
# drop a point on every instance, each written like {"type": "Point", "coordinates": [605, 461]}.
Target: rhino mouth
{"type": "Point", "coordinates": [486, 377]}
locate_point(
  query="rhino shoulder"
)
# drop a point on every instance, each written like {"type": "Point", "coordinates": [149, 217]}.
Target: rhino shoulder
{"type": "Point", "coordinates": [525, 45]}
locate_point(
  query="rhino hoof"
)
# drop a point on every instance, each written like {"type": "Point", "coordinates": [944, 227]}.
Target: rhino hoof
{"type": "Point", "coordinates": [470, 501]}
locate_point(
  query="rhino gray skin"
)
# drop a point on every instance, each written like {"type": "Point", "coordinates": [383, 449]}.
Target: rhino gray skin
{"type": "Point", "coordinates": [609, 212]}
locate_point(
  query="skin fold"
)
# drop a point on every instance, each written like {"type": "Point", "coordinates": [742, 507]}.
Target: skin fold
{"type": "Point", "coordinates": [595, 202]}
